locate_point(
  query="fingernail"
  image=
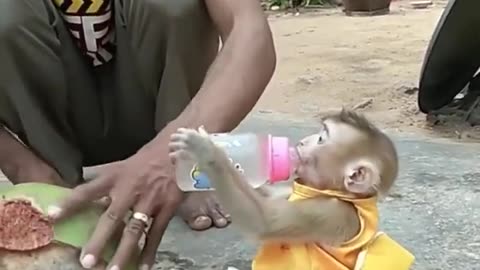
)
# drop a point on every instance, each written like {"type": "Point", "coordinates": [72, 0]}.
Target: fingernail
{"type": "Point", "coordinates": [145, 267]}
{"type": "Point", "coordinates": [88, 261]}
{"type": "Point", "coordinates": [54, 211]}
{"type": "Point", "coordinates": [114, 268]}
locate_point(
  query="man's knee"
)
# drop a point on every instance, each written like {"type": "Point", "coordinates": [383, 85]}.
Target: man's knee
{"type": "Point", "coordinates": [20, 18]}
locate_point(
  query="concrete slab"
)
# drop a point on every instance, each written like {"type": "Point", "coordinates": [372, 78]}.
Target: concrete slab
{"type": "Point", "coordinates": [433, 211]}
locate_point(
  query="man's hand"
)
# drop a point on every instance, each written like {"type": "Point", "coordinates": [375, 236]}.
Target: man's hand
{"type": "Point", "coordinates": [134, 184]}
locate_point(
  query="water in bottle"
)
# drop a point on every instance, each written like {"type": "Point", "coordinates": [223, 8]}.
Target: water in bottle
{"type": "Point", "coordinates": [261, 158]}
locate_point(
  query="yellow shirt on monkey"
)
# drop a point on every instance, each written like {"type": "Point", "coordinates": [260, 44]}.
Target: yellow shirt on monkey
{"type": "Point", "coordinates": [369, 250]}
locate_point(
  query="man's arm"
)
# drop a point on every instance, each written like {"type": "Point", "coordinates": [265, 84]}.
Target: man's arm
{"type": "Point", "coordinates": [144, 182]}
{"type": "Point", "coordinates": [239, 74]}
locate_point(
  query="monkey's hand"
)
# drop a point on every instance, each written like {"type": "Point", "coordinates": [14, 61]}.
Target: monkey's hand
{"type": "Point", "coordinates": [197, 145]}
{"type": "Point", "coordinates": [324, 220]}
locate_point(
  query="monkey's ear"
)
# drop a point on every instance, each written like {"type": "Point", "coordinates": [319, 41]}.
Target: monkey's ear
{"type": "Point", "coordinates": [361, 177]}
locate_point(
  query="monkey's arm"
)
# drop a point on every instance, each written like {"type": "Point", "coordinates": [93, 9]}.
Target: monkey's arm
{"type": "Point", "coordinates": [324, 220]}
{"type": "Point", "coordinates": [277, 191]}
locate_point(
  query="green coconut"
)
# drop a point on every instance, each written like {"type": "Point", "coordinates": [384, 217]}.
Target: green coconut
{"type": "Point", "coordinates": [69, 235]}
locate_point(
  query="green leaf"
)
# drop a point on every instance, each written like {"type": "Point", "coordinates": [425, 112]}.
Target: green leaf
{"type": "Point", "coordinates": [75, 230]}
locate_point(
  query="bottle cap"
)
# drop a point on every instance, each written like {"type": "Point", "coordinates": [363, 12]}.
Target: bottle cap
{"type": "Point", "coordinates": [279, 159]}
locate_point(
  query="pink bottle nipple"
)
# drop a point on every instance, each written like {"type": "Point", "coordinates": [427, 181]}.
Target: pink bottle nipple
{"type": "Point", "coordinates": [280, 163]}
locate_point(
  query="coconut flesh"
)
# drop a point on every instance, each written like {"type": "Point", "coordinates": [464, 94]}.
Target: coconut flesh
{"type": "Point", "coordinates": [23, 227]}
{"type": "Point", "coordinates": [30, 241]}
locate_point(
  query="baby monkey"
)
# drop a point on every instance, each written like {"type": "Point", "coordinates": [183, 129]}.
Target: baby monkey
{"type": "Point", "coordinates": [330, 220]}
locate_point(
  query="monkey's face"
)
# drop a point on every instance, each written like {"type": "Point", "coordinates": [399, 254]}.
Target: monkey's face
{"type": "Point", "coordinates": [323, 156]}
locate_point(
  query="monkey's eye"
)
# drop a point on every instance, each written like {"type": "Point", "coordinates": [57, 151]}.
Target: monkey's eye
{"type": "Point", "coordinates": [321, 137]}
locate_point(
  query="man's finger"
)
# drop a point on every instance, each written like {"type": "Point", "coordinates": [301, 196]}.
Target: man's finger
{"type": "Point", "coordinates": [154, 237]}
{"type": "Point", "coordinates": [130, 240]}
{"type": "Point", "coordinates": [78, 198]}
{"type": "Point", "coordinates": [103, 202]}
{"type": "Point", "coordinates": [110, 220]}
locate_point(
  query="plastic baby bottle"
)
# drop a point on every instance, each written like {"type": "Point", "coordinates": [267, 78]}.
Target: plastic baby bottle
{"type": "Point", "coordinates": [261, 158]}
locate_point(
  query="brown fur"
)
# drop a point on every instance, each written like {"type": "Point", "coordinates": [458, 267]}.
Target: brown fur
{"type": "Point", "coordinates": [325, 220]}
{"type": "Point", "coordinates": [376, 145]}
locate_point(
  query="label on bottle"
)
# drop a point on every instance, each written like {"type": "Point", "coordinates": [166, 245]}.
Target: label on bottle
{"type": "Point", "coordinates": [200, 179]}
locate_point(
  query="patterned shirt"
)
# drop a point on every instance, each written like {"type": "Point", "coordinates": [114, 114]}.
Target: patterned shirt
{"type": "Point", "coordinates": [91, 25]}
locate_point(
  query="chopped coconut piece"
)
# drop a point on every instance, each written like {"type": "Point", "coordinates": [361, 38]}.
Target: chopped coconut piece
{"type": "Point", "coordinates": [23, 227]}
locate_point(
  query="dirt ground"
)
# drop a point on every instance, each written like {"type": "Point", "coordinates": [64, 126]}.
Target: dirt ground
{"type": "Point", "coordinates": [327, 60]}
